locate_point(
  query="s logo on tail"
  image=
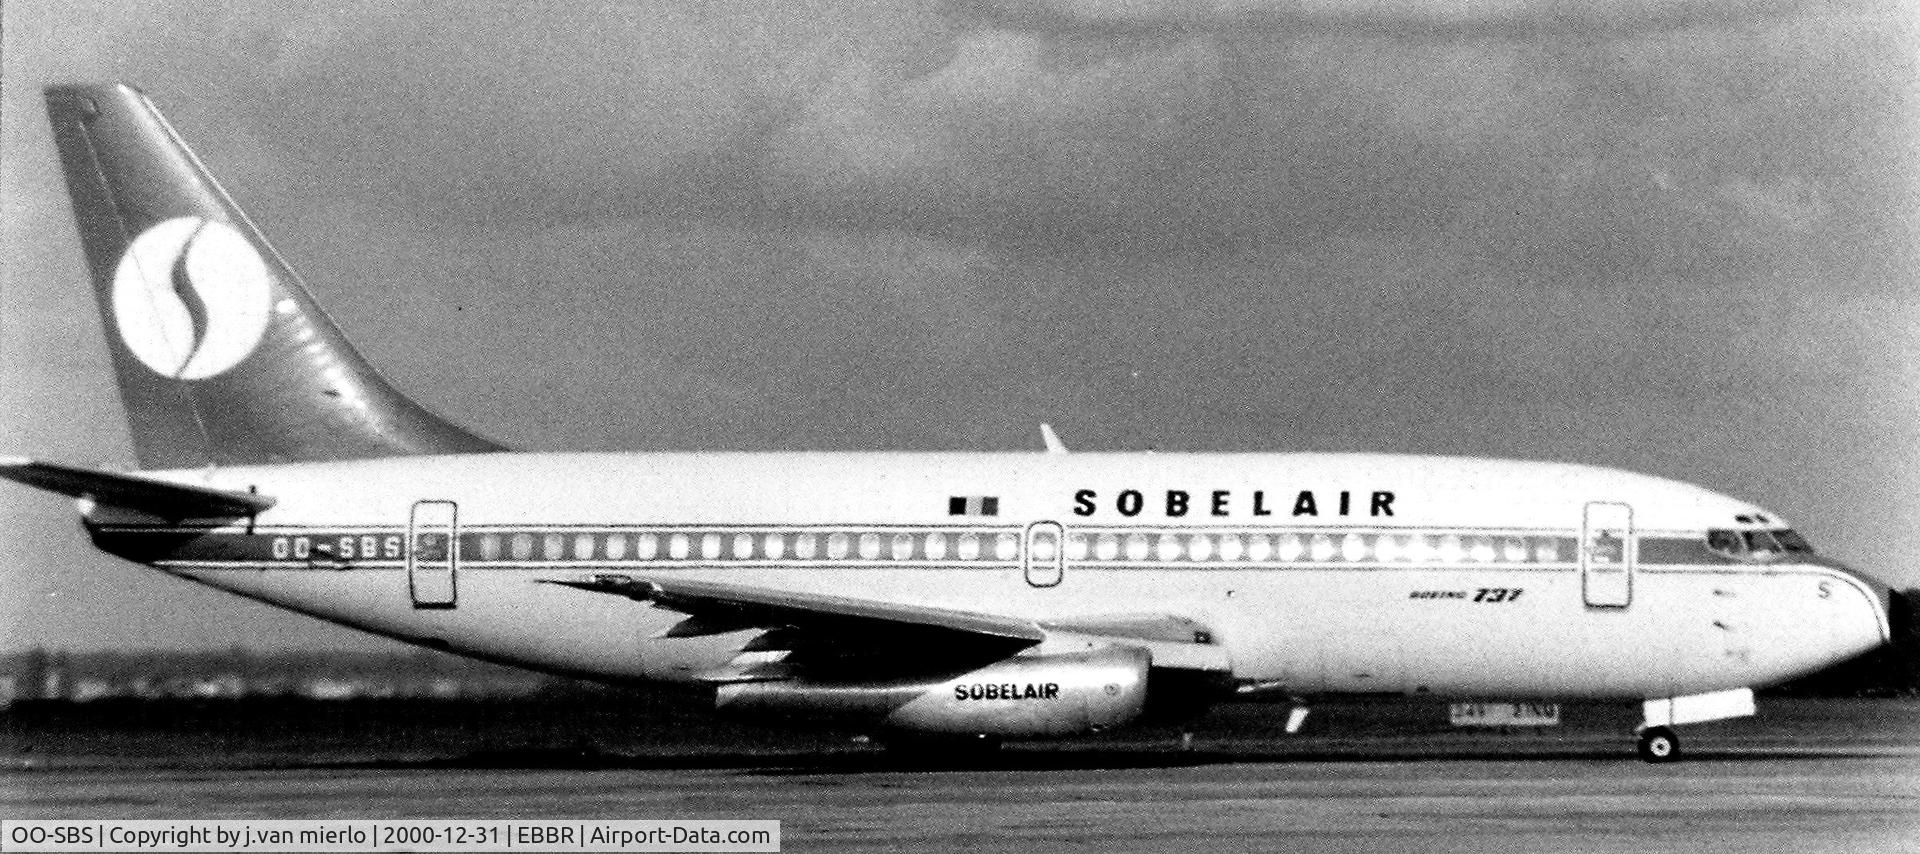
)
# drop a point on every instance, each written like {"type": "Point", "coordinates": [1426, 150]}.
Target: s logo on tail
{"type": "Point", "coordinates": [190, 298]}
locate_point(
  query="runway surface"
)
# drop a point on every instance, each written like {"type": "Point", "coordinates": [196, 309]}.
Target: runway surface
{"type": "Point", "coordinates": [1769, 800]}
{"type": "Point", "coordinates": [1806, 775]}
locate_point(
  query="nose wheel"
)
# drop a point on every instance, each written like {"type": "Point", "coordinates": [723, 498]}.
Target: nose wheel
{"type": "Point", "coordinates": [1659, 744]}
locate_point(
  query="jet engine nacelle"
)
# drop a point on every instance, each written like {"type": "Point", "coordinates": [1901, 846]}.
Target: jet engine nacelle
{"type": "Point", "coordinates": [1026, 696]}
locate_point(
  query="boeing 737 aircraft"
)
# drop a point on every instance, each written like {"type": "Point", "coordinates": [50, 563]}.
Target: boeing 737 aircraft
{"type": "Point", "coordinates": [976, 596]}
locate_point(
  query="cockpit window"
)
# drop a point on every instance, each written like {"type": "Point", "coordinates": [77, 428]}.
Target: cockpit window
{"type": "Point", "coordinates": [1757, 545]}
{"type": "Point", "coordinates": [1726, 542]}
{"type": "Point", "coordinates": [1760, 544]}
{"type": "Point", "coordinates": [1792, 541]}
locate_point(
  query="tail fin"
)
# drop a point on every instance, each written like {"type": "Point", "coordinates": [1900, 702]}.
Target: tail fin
{"type": "Point", "coordinates": [222, 355]}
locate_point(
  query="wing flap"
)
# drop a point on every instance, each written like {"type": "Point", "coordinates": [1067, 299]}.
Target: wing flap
{"type": "Point", "coordinates": [156, 497]}
{"type": "Point", "coordinates": [804, 623]}
{"type": "Point", "coordinates": [739, 606]}
{"type": "Point", "coordinates": [1178, 643]}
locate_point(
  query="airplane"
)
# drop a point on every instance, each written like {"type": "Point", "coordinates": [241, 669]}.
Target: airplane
{"type": "Point", "coordinates": [935, 599]}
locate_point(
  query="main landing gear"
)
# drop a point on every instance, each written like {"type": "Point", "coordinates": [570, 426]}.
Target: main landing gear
{"type": "Point", "coordinates": [1659, 744]}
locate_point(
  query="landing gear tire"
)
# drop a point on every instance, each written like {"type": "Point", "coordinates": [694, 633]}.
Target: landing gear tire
{"type": "Point", "coordinates": [1659, 744]}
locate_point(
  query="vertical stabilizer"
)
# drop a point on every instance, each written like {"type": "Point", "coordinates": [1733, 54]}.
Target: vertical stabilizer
{"type": "Point", "coordinates": [221, 354]}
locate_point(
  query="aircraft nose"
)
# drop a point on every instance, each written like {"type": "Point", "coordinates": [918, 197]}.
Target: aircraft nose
{"type": "Point", "coordinates": [1896, 613]}
{"type": "Point", "coordinates": [1892, 614]}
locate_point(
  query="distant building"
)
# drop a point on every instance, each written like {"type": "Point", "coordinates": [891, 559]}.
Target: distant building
{"type": "Point", "coordinates": [32, 678]}
{"type": "Point", "coordinates": [42, 674]}
{"type": "Point", "coordinates": [328, 688]}
{"type": "Point", "coordinates": [55, 678]}
{"type": "Point", "coordinates": [225, 685]}
{"type": "Point", "coordinates": [85, 690]}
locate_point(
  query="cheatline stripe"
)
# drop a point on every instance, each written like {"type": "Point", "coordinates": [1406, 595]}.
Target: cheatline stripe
{"type": "Point", "coordinates": [1771, 571]}
{"type": "Point", "coordinates": [893, 545]}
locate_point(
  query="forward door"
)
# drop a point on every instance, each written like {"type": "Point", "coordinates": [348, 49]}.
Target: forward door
{"type": "Point", "coordinates": [433, 553]}
{"type": "Point", "coordinates": [1607, 555]}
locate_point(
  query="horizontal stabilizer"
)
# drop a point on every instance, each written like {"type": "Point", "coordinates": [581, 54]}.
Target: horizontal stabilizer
{"type": "Point", "coordinates": [159, 498]}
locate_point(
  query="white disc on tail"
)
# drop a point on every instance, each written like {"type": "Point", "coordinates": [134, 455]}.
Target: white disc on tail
{"type": "Point", "coordinates": [191, 298]}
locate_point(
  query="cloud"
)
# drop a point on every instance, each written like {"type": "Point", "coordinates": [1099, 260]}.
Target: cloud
{"type": "Point", "coordinates": [1406, 19]}
{"type": "Point", "coordinates": [1674, 237]}
{"type": "Point", "coordinates": [1521, 125]}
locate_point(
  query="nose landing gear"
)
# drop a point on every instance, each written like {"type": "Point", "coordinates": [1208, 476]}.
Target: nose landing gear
{"type": "Point", "coordinates": [1657, 741]}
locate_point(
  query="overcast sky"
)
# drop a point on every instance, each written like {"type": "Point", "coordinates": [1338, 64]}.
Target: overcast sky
{"type": "Point", "coordinates": [1672, 237]}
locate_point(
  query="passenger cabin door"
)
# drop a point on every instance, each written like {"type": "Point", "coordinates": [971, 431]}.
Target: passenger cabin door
{"type": "Point", "coordinates": [1045, 558]}
{"type": "Point", "coordinates": [433, 553]}
{"type": "Point", "coordinates": [1607, 555]}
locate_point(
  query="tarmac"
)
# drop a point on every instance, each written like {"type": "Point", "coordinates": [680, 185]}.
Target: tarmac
{"type": "Point", "coordinates": [1833, 796]}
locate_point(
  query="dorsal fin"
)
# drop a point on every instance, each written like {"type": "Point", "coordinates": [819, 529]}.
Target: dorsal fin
{"type": "Point", "coordinates": [1053, 443]}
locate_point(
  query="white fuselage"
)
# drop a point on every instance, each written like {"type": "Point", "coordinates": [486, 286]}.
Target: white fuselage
{"type": "Point", "coordinates": [1316, 572]}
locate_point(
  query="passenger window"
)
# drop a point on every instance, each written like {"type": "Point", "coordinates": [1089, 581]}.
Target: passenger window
{"type": "Point", "coordinates": [522, 546]}
{"type": "Point", "coordinates": [969, 547]}
{"type": "Point", "coordinates": [1260, 549]}
{"type": "Point", "coordinates": [805, 546]}
{"type": "Point", "coordinates": [616, 546]}
{"type": "Point", "coordinates": [742, 546]}
{"type": "Point", "coordinates": [490, 547]}
{"type": "Point", "coordinates": [774, 545]}
{"type": "Point", "coordinates": [1200, 547]}
{"type": "Point", "coordinates": [1169, 547]}
{"type": "Point", "coordinates": [1481, 549]}
{"type": "Point", "coordinates": [936, 546]}
{"type": "Point", "coordinates": [1291, 548]}
{"type": "Point", "coordinates": [1077, 546]}
{"type": "Point", "coordinates": [902, 546]}
{"type": "Point", "coordinates": [1546, 550]}
{"type": "Point", "coordinates": [1137, 547]}
{"type": "Point", "coordinates": [836, 546]}
{"type": "Point", "coordinates": [1353, 548]}
{"type": "Point", "coordinates": [1006, 547]}
{"type": "Point", "coordinates": [582, 546]}
{"type": "Point", "coordinates": [646, 546]}
{"type": "Point", "coordinates": [1322, 547]}
{"type": "Point", "coordinates": [677, 546]}
{"type": "Point", "coordinates": [1107, 547]}
{"type": "Point", "coordinates": [869, 546]}
{"type": "Point", "coordinates": [1386, 548]}
{"type": "Point", "coordinates": [1232, 547]}
{"type": "Point", "coordinates": [1513, 550]}
{"type": "Point", "coordinates": [553, 546]}
{"type": "Point", "coordinates": [709, 546]}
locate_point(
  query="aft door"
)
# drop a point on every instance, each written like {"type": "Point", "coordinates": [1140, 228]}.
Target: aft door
{"type": "Point", "coordinates": [1044, 559]}
{"type": "Point", "coordinates": [433, 553]}
{"type": "Point", "coordinates": [1607, 555]}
